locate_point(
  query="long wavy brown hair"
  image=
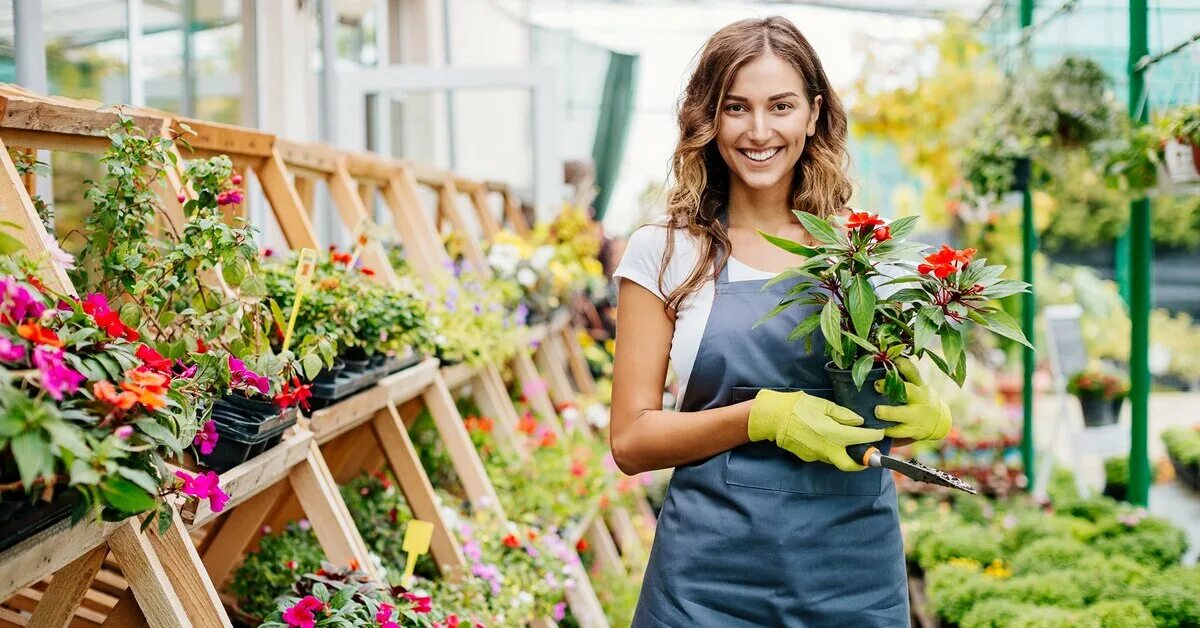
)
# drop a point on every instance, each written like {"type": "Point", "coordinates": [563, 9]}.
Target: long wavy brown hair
{"type": "Point", "coordinates": [700, 191]}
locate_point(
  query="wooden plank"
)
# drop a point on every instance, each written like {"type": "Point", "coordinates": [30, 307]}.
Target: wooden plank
{"type": "Point", "coordinates": [624, 532]}
{"type": "Point", "coordinates": [306, 191]}
{"type": "Point", "coordinates": [552, 364]}
{"type": "Point", "coordinates": [47, 552]}
{"type": "Point", "coordinates": [228, 546]}
{"type": "Point", "coordinates": [420, 237]}
{"type": "Point", "coordinates": [585, 606]}
{"type": "Point", "coordinates": [328, 423]}
{"type": "Point", "coordinates": [577, 362]}
{"type": "Point", "coordinates": [35, 121]}
{"type": "Point", "coordinates": [414, 482]}
{"type": "Point", "coordinates": [66, 590]}
{"type": "Point", "coordinates": [327, 513]}
{"type": "Point", "coordinates": [461, 450]}
{"type": "Point", "coordinates": [527, 375]}
{"type": "Point", "coordinates": [345, 198]}
{"type": "Point", "coordinates": [493, 400]}
{"type": "Point", "coordinates": [448, 204]}
{"type": "Point", "coordinates": [247, 479]}
{"type": "Point", "coordinates": [126, 613]}
{"type": "Point", "coordinates": [187, 574]}
{"type": "Point", "coordinates": [366, 192]}
{"type": "Point", "coordinates": [513, 214]}
{"type": "Point", "coordinates": [214, 138]}
{"type": "Point", "coordinates": [370, 166]}
{"type": "Point", "coordinates": [32, 600]}
{"type": "Point", "coordinates": [285, 203]}
{"type": "Point", "coordinates": [603, 547]}
{"type": "Point", "coordinates": [459, 375]}
{"type": "Point", "coordinates": [483, 210]}
{"type": "Point", "coordinates": [16, 207]}
{"type": "Point", "coordinates": [310, 156]}
{"type": "Point", "coordinates": [149, 582]}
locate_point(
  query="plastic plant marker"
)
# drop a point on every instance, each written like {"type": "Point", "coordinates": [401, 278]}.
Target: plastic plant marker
{"type": "Point", "coordinates": [417, 535]}
{"type": "Point", "coordinates": [360, 240]}
{"type": "Point", "coordinates": [305, 265]}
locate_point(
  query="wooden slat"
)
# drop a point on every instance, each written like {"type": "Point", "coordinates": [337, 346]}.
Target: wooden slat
{"type": "Point", "coordinates": [150, 584]}
{"type": "Point", "coordinates": [214, 138]}
{"type": "Point", "coordinates": [371, 167]}
{"type": "Point", "coordinates": [448, 204]}
{"type": "Point", "coordinates": [459, 375]}
{"type": "Point", "coordinates": [528, 376]}
{"type": "Point", "coordinates": [603, 547]}
{"type": "Point", "coordinates": [461, 450]}
{"type": "Point", "coordinates": [483, 210]}
{"type": "Point", "coordinates": [309, 155]}
{"type": "Point", "coordinates": [247, 479]}
{"type": "Point", "coordinates": [126, 613]}
{"type": "Point", "coordinates": [551, 364]}
{"type": "Point", "coordinates": [55, 123]}
{"type": "Point", "coordinates": [16, 207]}
{"type": "Point", "coordinates": [228, 546]}
{"type": "Point", "coordinates": [331, 521]}
{"type": "Point", "coordinates": [285, 203]}
{"type": "Point", "coordinates": [344, 191]}
{"type": "Point", "coordinates": [580, 371]}
{"type": "Point", "coordinates": [188, 577]}
{"type": "Point", "coordinates": [47, 552]}
{"type": "Point", "coordinates": [306, 191]}
{"type": "Point", "coordinates": [67, 589]}
{"type": "Point", "coordinates": [415, 484]}
{"type": "Point", "coordinates": [328, 423]}
{"type": "Point", "coordinates": [625, 533]}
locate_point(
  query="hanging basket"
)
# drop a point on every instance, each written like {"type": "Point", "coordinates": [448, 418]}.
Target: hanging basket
{"type": "Point", "coordinates": [1182, 161]}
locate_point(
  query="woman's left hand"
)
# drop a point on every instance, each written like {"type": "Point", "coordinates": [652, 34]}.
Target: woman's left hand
{"type": "Point", "coordinates": [924, 417]}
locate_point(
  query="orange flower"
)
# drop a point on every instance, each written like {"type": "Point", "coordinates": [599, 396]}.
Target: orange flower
{"type": "Point", "coordinates": [527, 424]}
{"type": "Point", "coordinates": [548, 439]}
{"type": "Point", "coordinates": [37, 334]}
{"type": "Point", "coordinates": [149, 387]}
{"type": "Point", "coordinates": [604, 501]}
{"type": "Point", "coordinates": [107, 393]}
{"type": "Point", "coordinates": [860, 220]}
{"type": "Point", "coordinates": [511, 541]}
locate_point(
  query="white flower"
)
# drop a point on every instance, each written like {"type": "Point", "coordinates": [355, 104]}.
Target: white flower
{"type": "Point", "coordinates": [597, 415]}
{"type": "Point", "coordinates": [570, 414]}
{"type": "Point", "coordinates": [503, 258]}
{"type": "Point", "coordinates": [541, 256]}
{"type": "Point", "coordinates": [526, 277]}
{"type": "Point", "coordinates": [525, 597]}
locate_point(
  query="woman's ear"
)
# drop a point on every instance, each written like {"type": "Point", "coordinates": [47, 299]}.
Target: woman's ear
{"type": "Point", "coordinates": [814, 114]}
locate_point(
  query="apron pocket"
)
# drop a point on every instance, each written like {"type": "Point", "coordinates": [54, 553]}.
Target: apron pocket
{"type": "Point", "coordinates": [764, 465]}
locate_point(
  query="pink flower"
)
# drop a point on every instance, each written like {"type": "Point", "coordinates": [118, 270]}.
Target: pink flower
{"type": "Point", "coordinates": [17, 303]}
{"type": "Point", "coordinates": [236, 179]}
{"type": "Point", "coordinates": [204, 486]}
{"type": "Point", "coordinates": [181, 197]}
{"type": "Point", "coordinates": [301, 615]}
{"type": "Point", "coordinates": [124, 432]}
{"type": "Point", "coordinates": [560, 611]}
{"type": "Point", "coordinates": [243, 375]}
{"type": "Point", "coordinates": [535, 387]}
{"type": "Point", "coordinates": [57, 377]}
{"type": "Point", "coordinates": [206, 439]}
{"type": "Point", "coordinates": [304, 525]}
{"type": "Point", "coordinates": [11, 351]}
{"type": "Point", "coordinates": [421, 603]}
{"type": "Point", "coordinates": [384, 616]}
{"type": "Point", "coordinates": [230, 197]}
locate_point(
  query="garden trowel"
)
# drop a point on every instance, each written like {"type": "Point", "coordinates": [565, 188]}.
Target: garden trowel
{"type": "Point", "coordinates": [872, 457]}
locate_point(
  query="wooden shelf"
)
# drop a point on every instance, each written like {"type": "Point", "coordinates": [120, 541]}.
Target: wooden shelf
{"type": "Point", "coordinates": [458, 375]}
{"type": "Point", "coordinates": [329, 423]}
{"type": "Point", "coordinates": [253, 476]}
{"type": "Point", "coordinates": [48, 551]}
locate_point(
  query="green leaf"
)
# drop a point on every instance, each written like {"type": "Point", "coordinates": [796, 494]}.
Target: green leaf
{"type": "Point", "coordinates": [139, 477]}
{"type": "Point", "coordinates": [775, 311]}
{"type": "Point", "coordinates": [342, 596]}
{"type": "Point", "coordinates": [861, 301]}
{"type": "Point", "coordinates": [82, 472]}
{"type": "Point", "coordinates": [858, 340]}
{"type": "Point", "coordinates": [901, 227]}
{"type": "Point", "coordinates": [819, 229]}
{"type": "Point", "coordinates": [32, 452]}
{"type": "Point", "coordinates": [893, 387]}
{"type": "Point", "coordinates": [110, 366]}
{"type": "Point", "coordinates": [831, 326]}
{"type": "Point", "coordinates": [861, 367]}
{"type": "Point", "coordinates": [1002, 323]}
{"type": "Point", "coordinates": [67, 437]}
{"type": "Point", "coordinates": [126, 496]}
{"type": "Point", "coordinates": [791, 247]}
{"type": "Point", "coordinates": [952, 345]}
{"type": "Point", "coordinates": [1004, 288]}
{"type": "Point", "coordinates": [923, 332]}
{"type": "Point", "coordinates": [311, 365]}
{"type": "Point", "coordinates": [909, 295]}
{"type": "Point", "coordinates": [806, 327]}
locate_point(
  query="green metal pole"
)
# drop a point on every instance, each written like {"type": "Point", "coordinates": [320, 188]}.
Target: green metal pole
{"type": "Point", "coordinates": [1140, 257]}
{"type": "Point", "coordinates": [1121, 264]}
{"type": "Point", "coordinates": [1028, 302]}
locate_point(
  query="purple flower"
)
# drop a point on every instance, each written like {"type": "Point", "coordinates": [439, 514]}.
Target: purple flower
{"type": "Point", "coordinates": [471, 550]}
{"type": "Point", "coordinates": [478, 309]}
{"type": "Point", "coordinates": [206, 439]}
{"type": "Point", "coordinates": [560, 611]}
{"type": "Point", "coordinates": [304, 525]}
{"type": "Point", "coordinates": [124, 432]}
{"type": "Point", "coordinates": [185, 372]}
{"type": "Point", "coordinates": [243, 375]}
{"type": "Point", "coordinates": [11, 351]}
{"type": "Point", "coordinates": [17, 303]}
{"type": "Point", "coordinates": [230, 197]}
{"type": "Point", "coordinates": [532, 551]}
{"type": "Point", "coordinates": [57, 377]}
{"type": "Point", "coordinates": [522, 313]}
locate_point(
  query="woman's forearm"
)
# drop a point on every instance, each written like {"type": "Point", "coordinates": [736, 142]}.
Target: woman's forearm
{"type": "Point", "coordinates": [661, 439]}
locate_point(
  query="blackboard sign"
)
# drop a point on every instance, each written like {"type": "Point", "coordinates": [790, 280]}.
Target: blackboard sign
{"type": "Point", "coordinates": [1068, 353]}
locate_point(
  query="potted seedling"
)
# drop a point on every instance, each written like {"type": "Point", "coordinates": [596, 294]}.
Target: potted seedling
{"type": "Point", "coordinates": [1101, 394]}
{"type": "Point", "coordinates": [878, 298]}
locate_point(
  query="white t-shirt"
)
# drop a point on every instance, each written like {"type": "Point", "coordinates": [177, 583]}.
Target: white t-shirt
{"type": "Point", "coordinates": [641, 263]}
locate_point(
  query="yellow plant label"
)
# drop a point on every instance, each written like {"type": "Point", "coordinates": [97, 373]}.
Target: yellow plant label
{"type": "Point", "coordinates": [306, 265]}
{"type": "Point", "coordinates": [417, 536]}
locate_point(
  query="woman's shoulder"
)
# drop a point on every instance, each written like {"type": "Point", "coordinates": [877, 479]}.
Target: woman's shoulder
{"type": "Point", "coordinates": [653, 236]}
{"type": "Point", "coordinates": [646, 252]}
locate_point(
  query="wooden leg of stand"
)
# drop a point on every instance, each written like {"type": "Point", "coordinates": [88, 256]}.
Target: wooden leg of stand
{"type": "Point", "coordinates": [66, 590]}
{"type": "Point", "coordinates": [321, 501]}
{"type": "Point", "coordinates": [188, 575]}
{"type": "Point", "coordinates": [603, 548]}
{"type": "Point", "coordinates": [146, 576]}
{"type": "Point", "coordinates": [126, 613]}
{"type": "Point", "coordinates": [229, 544]}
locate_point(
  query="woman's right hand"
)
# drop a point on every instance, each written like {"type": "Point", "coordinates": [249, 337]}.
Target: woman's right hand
{"type": "Point", "coordinates": [815, 429]}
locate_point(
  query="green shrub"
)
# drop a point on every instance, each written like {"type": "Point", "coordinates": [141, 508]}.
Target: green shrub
{"type": "Point", "coordinates": [1034, 525]}
{"type": "Point", "coordinates": [271, 571]}
{"type": "Point", "coordinates": [1103, 577]}
{"type": "Point", "coordinates": [1048, 589]}
{"type": "Point", "coordinates": [380, 513]}
{"type": "Point", "coordinates": [1151, 541]}
{"type": "Point", "coordinates": [994, 614]}
{"type": "Point", "coordinates": [959, 540]}
{"type": "Point", "coordinates": [1173, 604]}
{"type": "Point", "coordinates": [1048, 555]}
{"type": "Point", "coordinates": [1121, 614]}
{"type": "Point", "coordinates": [954, 589]}
{"type": "Point", "coordinates": [1053, 617]}
{"type": "Point", "coordinates": [1116, 470]}
{"type": "Point", "coordinates": [1094, 509]}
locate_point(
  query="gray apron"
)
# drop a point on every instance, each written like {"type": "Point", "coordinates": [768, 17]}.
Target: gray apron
{"type": "Point", "coordinates": [755, 536]}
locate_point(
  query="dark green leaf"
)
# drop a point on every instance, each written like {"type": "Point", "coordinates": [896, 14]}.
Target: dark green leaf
{"type": "Point", "coordinates": [806, 327]}
{"type": "Point", "coordinates": [1004, 288]}
{"type": "Point", "coordinates": [893, 387]}
{"type": "Point", "coordinates": [860, 341]}
{"type": "Point", "coordinates": [791, 247]}
{"type": "Point", "coordinates": [923, 332]}
{"type": "Point", "coordinates": [831, 325]}
{"type": "Point", "coordinates": [819, 229]}
{"type": "Point", "coordinates": [775, 311]}
{"type": "Point", "coordinates": [1002, 323]}
{"type": "Point", "coordinates": [952, 345]}
{"type": "Point", "coordinates": [862, 366]}
{"type": "Point", "coordinates": [861, 302]}
{"type": "Point", "coordinates": [32, 452]}
{"type": "Point", "coordinates": [126, 496]}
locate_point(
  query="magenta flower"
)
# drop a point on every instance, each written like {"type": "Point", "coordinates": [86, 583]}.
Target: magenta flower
{"type": "Point", "coordinates": [421, 603]}
{"type": "Point", "coordinates": [206, 439]}
{"type": "Point", "coordinates": [11, 351]}
{"type": "Point", "coordinates": [534, 387]}
{"type": "Point", "coordinates": [230, 197]}
{"type": "Point", "coordinates": [560, 611]}
{"type": "Point", "coordinates": [204, 486]}
{"type": "Point", "coordinates": [57, 377]}
{"type": "Point", "coordinates": [124, 432]}
{"type": "Point", "coordinates": [384, 616]}
{"type": "Point", "coordinates": [301, 615]}
{"type": "Point", "coordinates": [243, 375]}
{"type": "Point", "coordinates": [471, 550]}
{"type": "Point", "coordinates": [17, 303]}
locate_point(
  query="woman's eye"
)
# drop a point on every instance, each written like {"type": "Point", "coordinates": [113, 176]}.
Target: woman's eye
{"type": "Point", "coordinates": [734, 108]}
{"type": "Point", "coordinates": [782, 106]}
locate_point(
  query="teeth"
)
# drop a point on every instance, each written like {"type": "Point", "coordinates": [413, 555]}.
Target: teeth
{"type": "Point", "coordinates": [761, 156]}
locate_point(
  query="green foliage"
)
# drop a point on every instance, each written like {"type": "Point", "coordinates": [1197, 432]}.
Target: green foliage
{"type": "Point", "coordinates": [1183, 444]}
{"type": "Point", "coordinates": [1121, 614]}
{"type": "Point", "coordinates": [272, 570]}
{"type": "Point", "coordinates": [1050, 554]}
{"type": "Point", "coordinates": [1185, 124]}
{"type": "Point", "coordinates": [959, 541]}
{"type": "Point", "coordinates": [955, 589]}
{"type": "Point", "coordinates": [380, 513]}
{"type": "Point", "coordinates": [349, 597]}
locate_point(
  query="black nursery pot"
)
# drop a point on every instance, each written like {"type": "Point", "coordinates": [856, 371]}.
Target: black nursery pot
{"type": "Point", "coordinates": [1022, 170]}
{"type": "Point", "coordinates": [328, 375]}
{"type": "Point", "coordinates": [356, 360]}
{"type": "Point", "coordinates": [1098, 411]}
{"type": "Point", "coordinates": [1116, 491]}
{"type": "Point", "coordinates": [861, 402]}
{"type": "Point", "coordinates": [249, 409]}
{"type": "Point", "coordinates": [22, 517]}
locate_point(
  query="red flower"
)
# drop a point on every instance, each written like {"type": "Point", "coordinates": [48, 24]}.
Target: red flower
{"type": "Point", "coordinates": [511, 541]}
{"type": "Point", "coordinates": [96, 306]}
{"type": "Point", "coordinates": [153, 359]}
{"type": "Point", "coordinates": [863, 220]}
{"type": "Point", "coordinates": [294, 393]}
{"type": "Point", "coordinates": [883, 234]}
{"type": "Point", "coordinates": [200, 346]}
{"type": "Point", "coordinates": [39, 335]}
{"type": "Point", "coordinates": [946, 261]}
{"type": "Point", "coordinates": [342, 258]}
{"type": "Point", "coordinates": [291, 564]}
{"type": "Point", "coordinates": [527, 424]}
{"type": "Point", "coordinates": [301, 615]}
{"type": "Point", "coordinates": [578, 469]}
{"type": "Point", "coordinates": [107, 393]}
{"type": "Point", "coordinates": [367, 271]}
{"type": "Point", "coordinates": [581, 546]}
{"type": "Point", "coordinates": [548, 439]}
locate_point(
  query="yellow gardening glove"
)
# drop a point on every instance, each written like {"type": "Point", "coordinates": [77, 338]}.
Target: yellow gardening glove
{"type": "Point", "coordinates": [924, 417]}
{"type": "Point", "coordinates": [812, 428]}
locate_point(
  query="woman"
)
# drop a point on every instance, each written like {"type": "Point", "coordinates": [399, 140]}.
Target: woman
{"type": "Point", "coordinates": [767, 520]}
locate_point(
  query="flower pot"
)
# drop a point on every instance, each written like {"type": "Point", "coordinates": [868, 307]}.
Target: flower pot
{"type": "Point", "coordinates": [252, 409]}
{"type": "Point", "coordinates": [330, 374]}
{"type": "Point", "coordinates": [22, 516]}
{"type": "Point", "coordinates": [239, 441]}
{"type": "Point", "coordinates": [355, 363]}
{"type": "Point", "coordinates": [1097, 410]}
{"type": "Point", "coordinates": [1022, 170]}
{"type": "Point", "coordinates": [861, 402]}
{"type": "Point", "coordinates": [376, 360]}
{"type": "Point", "coordinates": [1116, 491]}
{"type": "Point", "coordinates": [1182, 161]}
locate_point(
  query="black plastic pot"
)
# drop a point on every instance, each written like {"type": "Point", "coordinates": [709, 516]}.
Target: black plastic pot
{"type": "Point", "coordinates": [22, 517]}
{"type": "Point", "coordinates": [356, 365]}
{"type": "Point", "coordinates": [1098, 411]}
{"type": "Point", "coordinates": [376, 360]}
{"type": "Point", "coordinates": [1116, 491]}
{"type": "Point", "coordinates": [1022, 171]}
{"type": "Point", "coordinates": [241, 441]}
{"type": "Point", "coordinates": [862, 402]}
{"type": "Point", "coordinates": [258, 409]}
{"type": "Point", "coordinates": [330, 374]}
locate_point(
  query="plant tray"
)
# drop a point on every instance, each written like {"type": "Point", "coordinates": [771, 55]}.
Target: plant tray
{"type": "Point", "coordinates": [236, 446]}
{"type": "Point", "coordinates": [345, 384]}
{"type": "Point", "coordinates": [21, 518]}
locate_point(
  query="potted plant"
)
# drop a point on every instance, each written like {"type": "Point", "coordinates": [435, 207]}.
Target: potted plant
{"type": "Point", "coordinates": [1131, 160]}
{"type": "Point", "coordinates": [1116, 478]}
{"type": "Point", "coordinates": [1101, 394]}
{"type": "Point", "coordinates": [865, 332]}
{"type": "Point", "coordinates": [1182, 146]}
{"type": "Point", "coordinates": [1183, 449]}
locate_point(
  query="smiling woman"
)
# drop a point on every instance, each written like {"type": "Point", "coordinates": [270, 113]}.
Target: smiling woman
{"type": "Point", "coordinates": [767, 520]}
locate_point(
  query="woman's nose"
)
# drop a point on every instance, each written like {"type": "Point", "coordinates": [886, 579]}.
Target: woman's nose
{"type": "Point", "coordinates": [760, 131]}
